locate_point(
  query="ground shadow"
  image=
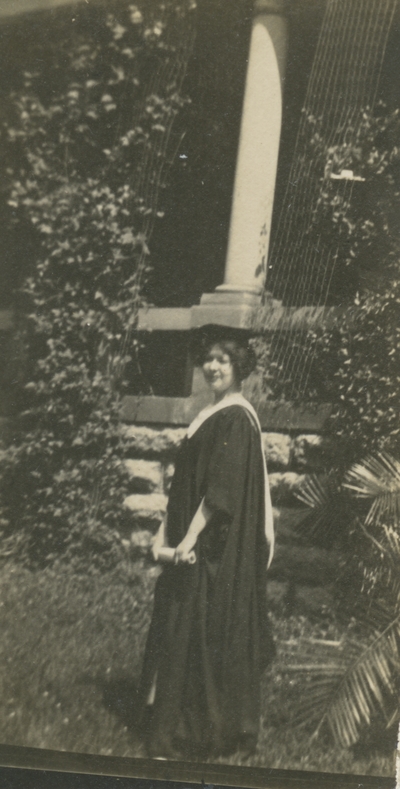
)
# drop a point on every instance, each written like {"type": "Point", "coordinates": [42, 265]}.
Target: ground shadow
{"type": "Point", "coordinates": [120, 697]}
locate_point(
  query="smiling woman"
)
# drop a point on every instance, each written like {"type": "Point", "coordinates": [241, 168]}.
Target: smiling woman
{"type": "Point", "coordinates": [226, 364]}
{"type": "Point", "coordinates": [219, 373]}
{"type": "Point", "coordinates": [210, 639]}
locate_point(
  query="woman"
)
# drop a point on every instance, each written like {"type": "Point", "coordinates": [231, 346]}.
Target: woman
{"type": "Point", "coordinates": [209, 638]}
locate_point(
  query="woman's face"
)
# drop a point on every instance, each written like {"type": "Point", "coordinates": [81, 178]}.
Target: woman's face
{"type": "Point", "coordinates": [218, 371]}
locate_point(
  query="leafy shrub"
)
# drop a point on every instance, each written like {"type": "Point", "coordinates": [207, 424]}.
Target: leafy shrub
{"type": "Point", "coordinates": [349, 356]}
{"type": "Point", "coordinates": [86, 158]}
{"type": "Point", "coordinates": [359, 364]}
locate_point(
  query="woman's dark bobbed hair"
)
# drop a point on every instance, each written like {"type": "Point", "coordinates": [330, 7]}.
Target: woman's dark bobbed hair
{"type": "Point", "coordinates": [233, 342]}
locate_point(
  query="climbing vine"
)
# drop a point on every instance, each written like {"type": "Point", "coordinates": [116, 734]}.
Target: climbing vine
{"type": "Point", "coordinates": [87, 144]}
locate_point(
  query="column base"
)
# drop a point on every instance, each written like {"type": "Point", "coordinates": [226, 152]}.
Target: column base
{"type": "Point", "coordinates": [227, 306]}
{"type": "Point", "coordinates": [232, 306]}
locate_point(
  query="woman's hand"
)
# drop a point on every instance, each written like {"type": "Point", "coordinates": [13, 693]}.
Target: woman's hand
{"type": "Point", "coordinates": [182, 552]}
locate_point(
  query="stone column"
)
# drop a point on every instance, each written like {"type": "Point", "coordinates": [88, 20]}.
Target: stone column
{"type": "Point", "coordinates": [246, 264]}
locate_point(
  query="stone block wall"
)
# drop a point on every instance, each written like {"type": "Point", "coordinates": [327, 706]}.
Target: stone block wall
{"type": "Point", "coordinates": [301, 576]}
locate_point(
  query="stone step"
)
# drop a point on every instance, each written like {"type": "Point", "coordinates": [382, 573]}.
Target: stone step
{"type": "Point", "coordinates": [283, 487]}
{"type": "Point", "coordinates": [313, 452]}
{"type": "Point", "coordinates": [146, 476]}
{"type": "Point", "coordinates": [277, 448]}
{"type": "Point", "coordinates": [148, 441]}
{"type": "Point", "coordinates": [139, 544]}
{"type": "Point", "coordinates": [147, 510]}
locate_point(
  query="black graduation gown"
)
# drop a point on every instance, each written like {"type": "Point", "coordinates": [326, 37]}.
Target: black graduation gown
{"type": "Point", "coordinates": [209, 638]}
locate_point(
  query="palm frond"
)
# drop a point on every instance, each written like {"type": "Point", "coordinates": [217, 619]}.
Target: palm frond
{"type": "Point", "coordinates": [377, 478]}
{"type": "Point", "coordinates": [349, 683]}
{"type": "Point", "coordinates": [325, 512]}
{"type": "Point", "coordinates": [395, 716]}
{"type": "Point", "coordinates": [315, 492]}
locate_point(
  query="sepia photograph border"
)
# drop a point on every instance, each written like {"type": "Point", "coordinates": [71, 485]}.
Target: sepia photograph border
{"type": "Point", "coordinates": [196, 773]}
{"type": "Point", "coordinates": [214, 775]}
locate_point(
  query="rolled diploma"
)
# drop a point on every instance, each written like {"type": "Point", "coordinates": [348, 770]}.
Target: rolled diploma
{"type": "Point", "coordinates": [168, 555]}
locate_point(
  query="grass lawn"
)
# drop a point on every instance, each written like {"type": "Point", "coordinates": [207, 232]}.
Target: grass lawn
{"type": "Point", "coordinates": [70, 655]}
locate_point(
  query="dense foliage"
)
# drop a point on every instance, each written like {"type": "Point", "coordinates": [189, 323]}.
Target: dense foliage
{"type": "Point", "coordinates": [86, 148]}
{"type": "Point", "coordinates": [362, 380]}
{"type": "Point", "coordinates": [351, 359]}
{"type": "Point", "coordinates": [364, 386]}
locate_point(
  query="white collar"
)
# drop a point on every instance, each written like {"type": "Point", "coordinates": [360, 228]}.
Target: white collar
{"type": "Point", "coordinates": [232, 399]}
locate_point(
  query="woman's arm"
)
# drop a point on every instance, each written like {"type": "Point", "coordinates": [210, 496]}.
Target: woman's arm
{"type": "Point", "coordinates": [198, 524]}
{"type": "Point", "coordinates": [269, 522]}
{"type": "Point", "coordinates": [269, 533]}
{"type": "Point", "coordinates": [160, 540]}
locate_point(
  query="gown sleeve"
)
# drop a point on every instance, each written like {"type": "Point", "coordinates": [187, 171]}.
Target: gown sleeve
{"type": "Point", "coordinates": [228, 465]}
